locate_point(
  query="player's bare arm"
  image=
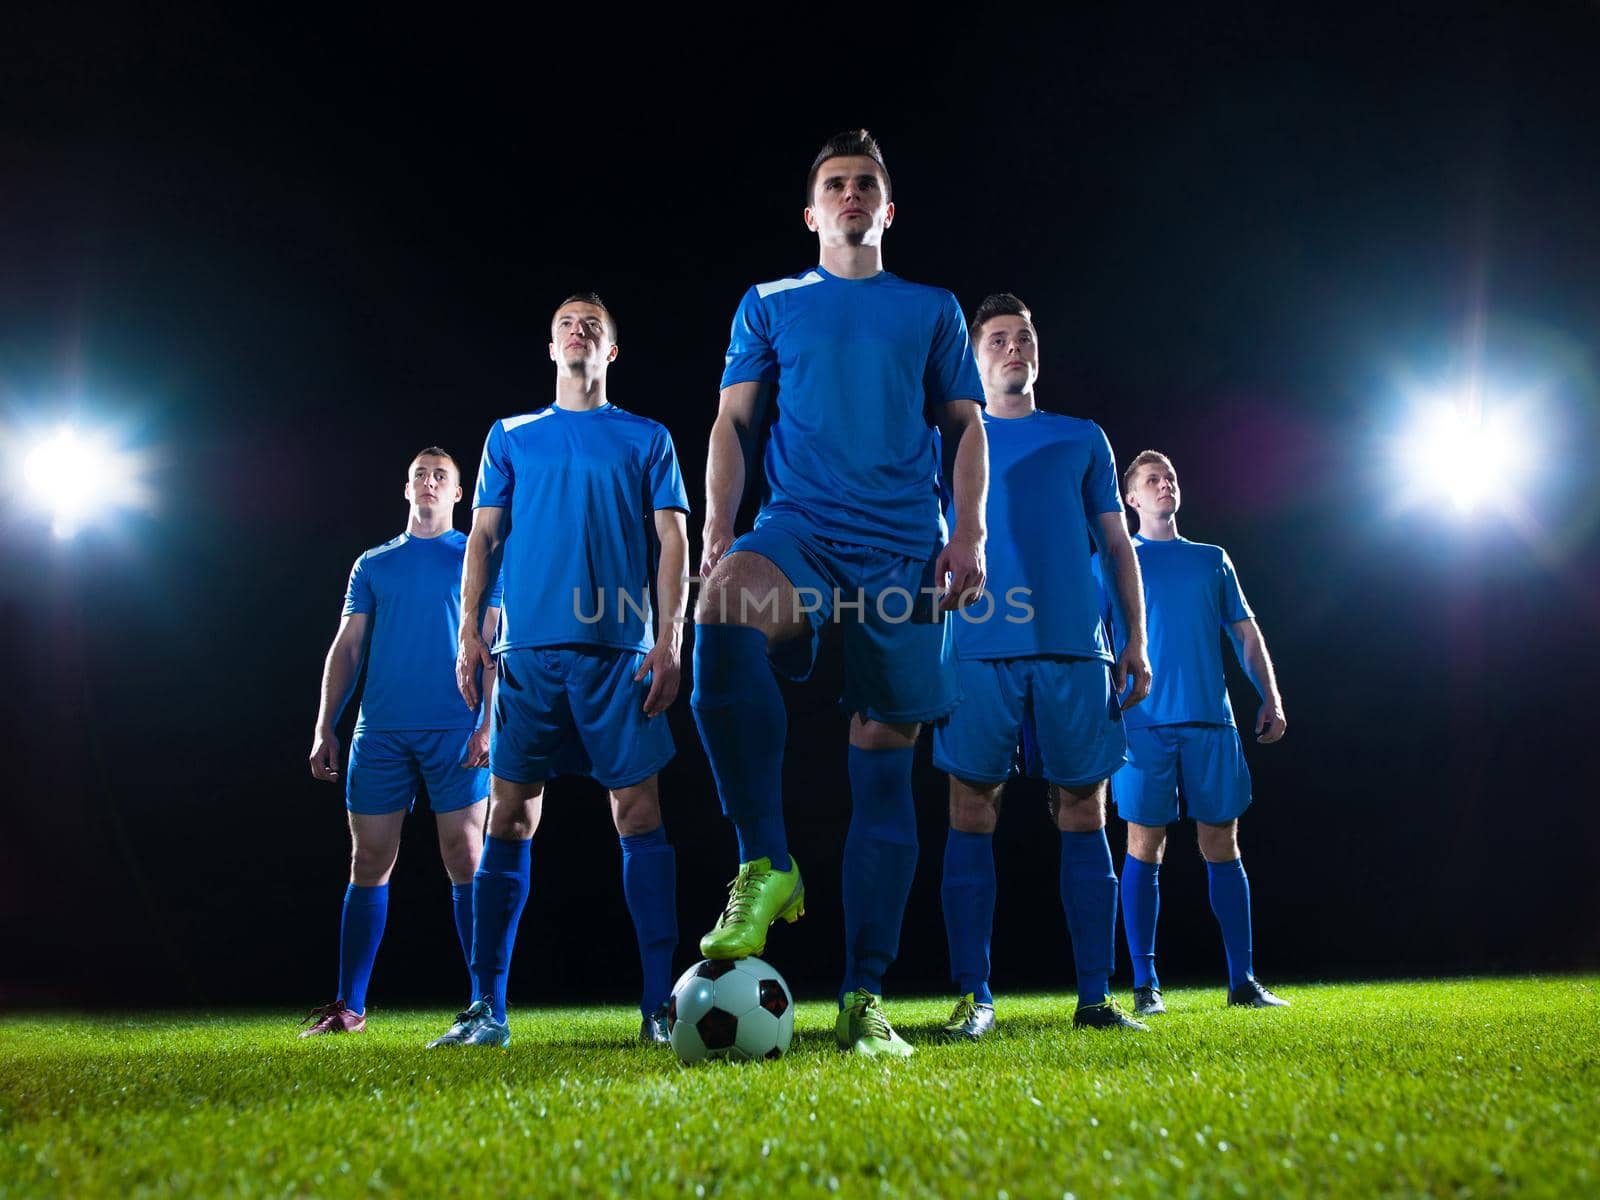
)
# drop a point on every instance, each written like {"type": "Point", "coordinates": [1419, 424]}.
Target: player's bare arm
{"type": "Point", "coordinates": [1127, 593]}
{"type": "Point", "coordinates": [664, 663]}
{"type": "Point", "coordinates": [478, 568]}
{"type": "Point", "coordinates": [966, 465]}
{"type": "Point", "coordinates": [1271, 724]}
{"type": "Point", "coordinates": [339, 673]}
{"type": "Point", "coordinates": [733, 441]}
{"type": "Point", "coordinates": [478, 745]}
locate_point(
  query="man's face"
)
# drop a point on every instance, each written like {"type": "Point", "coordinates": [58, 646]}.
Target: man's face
{"type": "Point", "coordinates": [1008, 355]}
{"type": "Point", "coordinates": [1155, 490]}
{"type": "Point", "coordinates": [848, 205]}
{"type": "Point", "coordinates": [433, 482]}
{"type": "Point", "coordinates": [580, 339]}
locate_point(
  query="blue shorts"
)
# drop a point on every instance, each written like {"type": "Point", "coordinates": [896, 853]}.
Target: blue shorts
{"type": "Point", "coordinates": [1204, 762]}
{"type": "Point", "coordinates": [899, 656]}
{"type": "Point", "coordinates": [575, 710]}
{"type": "Point", "coordinates": [386, 765]}
{"type": "Point", "coordinates": [1062, 711]}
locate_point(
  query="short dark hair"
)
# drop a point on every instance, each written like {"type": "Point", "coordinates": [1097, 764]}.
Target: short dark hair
{"type": "Point", "coordinates": [1139, 460]}
{"type": "Point", "coordinates": [851, 143]}
{"type": "Point", "coordinates": [999, 304]}
{"type": "Point", "coordinates": [438, 452]}
{"type": "Point", "coordinates": [589, 298]}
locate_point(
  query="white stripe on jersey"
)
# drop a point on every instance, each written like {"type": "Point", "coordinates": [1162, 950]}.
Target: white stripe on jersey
{"type": "Point", "coordinates": [783, 285]}
{"type": "Point", "coordinates": [511, 423]}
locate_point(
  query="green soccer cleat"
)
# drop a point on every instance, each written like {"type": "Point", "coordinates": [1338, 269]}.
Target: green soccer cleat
{"type": "Point", "coordinates": [863, 1027]}
{"type": "Point", "coordinates": [475, 1027]}
{"type": "Point", "coordinates": [970, 1020]}
{"type": "Point", "coordinates": [757, 898]}
{"type": "Point", "coordinates": [1107, 1014]}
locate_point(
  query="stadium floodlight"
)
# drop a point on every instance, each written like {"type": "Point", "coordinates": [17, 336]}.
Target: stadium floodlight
{"type": "Point", "coordinates": [79, 478]}
{"type": "Point", "coordinates": [1466, 450]}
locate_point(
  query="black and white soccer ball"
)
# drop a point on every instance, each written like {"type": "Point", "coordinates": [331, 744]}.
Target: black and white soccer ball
{"type": "Point", "coordinates": [730, 1008]}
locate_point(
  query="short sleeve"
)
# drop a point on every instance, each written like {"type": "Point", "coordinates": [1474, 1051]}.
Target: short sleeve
{"type": "Point", "coordinates": [1234, 607]}
{"type": "Point", "coordinates": [495, 476]}
{"type": "Point", "coordinates": [358, 597]}
{"type": "Point", "coordinates": [751, 356]}
{"type": "Point", "coordinates": [1102, 492]}
{"type": "Point", "coordinates": [952, 372]}
{"type": "Point", "coordinates": [663, 479]}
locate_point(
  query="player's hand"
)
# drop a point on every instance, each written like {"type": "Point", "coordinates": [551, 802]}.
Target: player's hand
{"type": "Point", "coordinates": [664, 666]}
{"type": "Point", "coordinates": [714, 542]}
{"type": "Point", "coordinates": [472, 657]}
{"type": "Point", "coordinates": [962, 569]}
{"type": "Point", "coordinates": [325, 756]}
{"type": "Point", "coordinates": [477, 749]}
{"type": "Point", "coordinates": [1132, 674]}
{"type": "Point", "coordinates": [1270, 722]}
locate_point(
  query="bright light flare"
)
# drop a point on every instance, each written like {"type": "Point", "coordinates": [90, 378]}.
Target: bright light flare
{"type": "Point", "coordinates": [79, 478]}
{"type": "Point", "coordinates": [1456, 449]}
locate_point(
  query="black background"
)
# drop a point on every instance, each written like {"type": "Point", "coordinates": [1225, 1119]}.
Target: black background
{"type": "Point", "coordinates": [284, 257]}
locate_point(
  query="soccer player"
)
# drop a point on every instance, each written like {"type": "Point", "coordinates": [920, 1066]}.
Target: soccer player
{"type": "Point", "coordinates": [401, 611]}
{"type": "Point", "coordinates": [568, 498]}
{"type": "Point", "coordinates": [1183, 739]}
{"type": "Point", "coordinates": [850, 364]}
{"type": "Point", "coordinates": [1035, 667]}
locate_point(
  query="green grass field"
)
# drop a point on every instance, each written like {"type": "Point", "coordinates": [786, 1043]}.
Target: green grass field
{"type": "Point", "coordinates": [1482, 1087]}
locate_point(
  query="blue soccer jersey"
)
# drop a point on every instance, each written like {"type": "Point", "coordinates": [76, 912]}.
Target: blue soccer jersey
{"type": "Point", "coordinates": [579, 490]}
{"type": "Point", "coordinates": [411, 587]}
{"type": "Point", "coordinates": [1050, 478]}
{"type": "Point", "coordinates": [1191, 595]}
{"type": "Point", "coordinates": [860, 366]}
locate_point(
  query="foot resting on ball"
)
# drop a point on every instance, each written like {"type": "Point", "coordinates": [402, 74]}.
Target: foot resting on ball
{"type": "Point", "coordinates": [757, 898]}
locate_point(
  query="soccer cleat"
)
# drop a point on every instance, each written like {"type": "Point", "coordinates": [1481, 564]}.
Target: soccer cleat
{"type": "Point", "coordinates": [1147, 1002]}
{"type": "Point", "coordinates": [333, 1018]}
{"type": "Point", "coordinates": [653, 1029]}
{"type": "Point", "coordinates": [1251, 994]}
{"type": "Point", "coordinates": [970, 1020]}
{"type": "Point", "coordinates": [475, 1027]}
{"type": "Point", "coordinates": [756, 898]}
{"type": "Point", "coordinates": [863, 1027]}
{"type": "Point", "coordinates": [1107, 1014]}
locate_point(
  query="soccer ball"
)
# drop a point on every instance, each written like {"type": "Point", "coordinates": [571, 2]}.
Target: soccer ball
{"type": "Point", "coordinates": [739, 1008]}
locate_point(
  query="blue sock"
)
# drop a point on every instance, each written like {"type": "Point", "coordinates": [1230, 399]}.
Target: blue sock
{"type": "Point", "coordinates": [1089, 898]}
{"type": "Point", "coordinates": [968, 895]}
{"type": "Point", "coordinates": [1230, 900]}
{"type": "Point", "coordinates": [360, 930]}
{"type": "Point", "coordinates": [461, 902]}
{"type": "Point", "coordinates": [739, 711]}
{"type": "Point", "coordinates": [650, 883]}
{"type": "Point", "coordinates": [1141, 905]}
{"type": "Point", "coordinates": [499, 890]}
{"type": "Point", "coordinates": [880, 858]}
